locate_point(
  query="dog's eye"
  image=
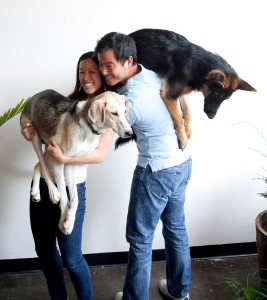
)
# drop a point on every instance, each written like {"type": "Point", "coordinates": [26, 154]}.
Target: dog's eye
{"type": "Point", "coordinates": [114, 114]}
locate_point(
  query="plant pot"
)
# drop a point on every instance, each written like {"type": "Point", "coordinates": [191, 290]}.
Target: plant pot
{"type": "Point", "coordinates": [261, 240]}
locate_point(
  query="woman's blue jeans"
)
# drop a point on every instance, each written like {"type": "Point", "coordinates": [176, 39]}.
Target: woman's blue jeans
{"type": "Point", "coordinates": [154, 196]}
{"type": "Point", "coordinates": [44, 223]}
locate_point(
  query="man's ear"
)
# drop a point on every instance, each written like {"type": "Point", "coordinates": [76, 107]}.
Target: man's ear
{"type": "Point", "coordinates": [130, 61]}
{"type": "Point", "coordinates": [97, 112]}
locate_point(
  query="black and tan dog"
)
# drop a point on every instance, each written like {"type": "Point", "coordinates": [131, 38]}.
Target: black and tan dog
{"type": "Point", "coordinates": [186, 67]}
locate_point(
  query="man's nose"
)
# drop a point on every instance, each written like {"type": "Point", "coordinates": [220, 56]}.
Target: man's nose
{"type": "Point", "coordinates": [103, 70]}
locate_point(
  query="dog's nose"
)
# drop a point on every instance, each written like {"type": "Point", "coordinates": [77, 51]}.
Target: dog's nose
{"type": "Point", "coordinates": [129, 133]}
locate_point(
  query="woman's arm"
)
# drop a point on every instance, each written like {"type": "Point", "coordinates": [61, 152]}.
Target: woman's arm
{"type": "Point", "coordinates": [96, 157]}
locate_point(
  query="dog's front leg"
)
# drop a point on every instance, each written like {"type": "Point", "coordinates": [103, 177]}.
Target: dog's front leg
{"type": "Point", "coordinates": [186, 116]}
{"type": "Point", "coordinates": [63, 204]}
{"type": "Point", "coordinates": [178, 121]}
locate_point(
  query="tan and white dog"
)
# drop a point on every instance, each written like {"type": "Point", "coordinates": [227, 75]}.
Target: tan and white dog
{"type": "Point", "coordinates": [76, 127]}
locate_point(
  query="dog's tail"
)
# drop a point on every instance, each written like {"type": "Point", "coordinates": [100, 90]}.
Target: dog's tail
{"type": "Point", "coordinates": [123, 141]}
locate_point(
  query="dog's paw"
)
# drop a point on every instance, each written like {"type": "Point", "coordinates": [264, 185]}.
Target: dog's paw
{"type": "Point", "coordinates": [182, 139]}
{"type": "Point", "coordinates": [69, 223]}
{"type": "Point", "coordinates": [36, 197]}
{"type": "Point", "coordinates": [54, 194]}
{"type": "Point", "coordinates": [61, 226]}
{"type": "Point", "coordinates": [188, 131]}
{"type": "Point", "coordinates": [188, 128]}
{"type": "Point", "coordinates": [68, 226]}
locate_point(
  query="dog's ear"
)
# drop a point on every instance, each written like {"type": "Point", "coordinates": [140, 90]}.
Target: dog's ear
{"type": "Point", "coordinates": [218, 77]}
{"type": "Point", "coordinates": [243, 85]}
{"type": "Point", "coordinates": [97, 112]}
{"type": "Point", "coordinates": [127, 106]}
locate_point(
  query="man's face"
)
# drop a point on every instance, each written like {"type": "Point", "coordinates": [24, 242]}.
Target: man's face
{"type": "Point", "coordinates": [113, 71]}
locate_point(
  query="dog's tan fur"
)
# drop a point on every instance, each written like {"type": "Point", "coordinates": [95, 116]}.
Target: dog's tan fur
{"type": "Point", "coordinates": [184, 67]}
{"type": "Point", "coordinates": [181, 117]}
{"type": "Point", "coordinates": [70, 130]}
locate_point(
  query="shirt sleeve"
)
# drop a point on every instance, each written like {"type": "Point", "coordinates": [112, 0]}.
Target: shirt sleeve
{"type": "Point", "coordinates": [132, 119]}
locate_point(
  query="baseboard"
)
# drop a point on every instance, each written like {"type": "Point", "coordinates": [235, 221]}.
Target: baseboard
{"type": "Point", "coordinates": [114, 258]}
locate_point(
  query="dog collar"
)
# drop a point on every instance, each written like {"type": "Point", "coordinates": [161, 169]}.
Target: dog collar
{"type": "Point", "coordinates": [92, 129]}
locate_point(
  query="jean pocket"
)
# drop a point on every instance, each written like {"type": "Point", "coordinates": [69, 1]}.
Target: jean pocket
{"type": "Point", "coordinates": [167, 181]}
{"type": "Point", "coordinates": [163, 182]}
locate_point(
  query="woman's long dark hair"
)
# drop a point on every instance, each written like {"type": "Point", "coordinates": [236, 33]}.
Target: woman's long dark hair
{"type": "Point", "coordinates": [78, 92]}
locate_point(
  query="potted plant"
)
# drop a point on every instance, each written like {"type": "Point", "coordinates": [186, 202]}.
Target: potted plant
{"type": "Point", "coordinates": [252, 289]}
{"type": "Point", "coordinates": [13, 111]}
{"type": "Point", "coordinates": [261, 237]}
{"type": "Point", "coordinates": [261, 222]}
{"type": "Point", "coordinates": [261, 240]}
{"type": "Point", "coordinates": [261, 219]}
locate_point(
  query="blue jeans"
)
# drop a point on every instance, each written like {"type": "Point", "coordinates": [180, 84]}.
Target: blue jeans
{"type": "Point", "coordinates": [154, 196]}
{"type": "Point", "coordinates": [44, 223]}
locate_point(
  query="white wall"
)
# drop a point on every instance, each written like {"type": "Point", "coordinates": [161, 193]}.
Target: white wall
{"type": "Point", "coordinates": [40, 44]}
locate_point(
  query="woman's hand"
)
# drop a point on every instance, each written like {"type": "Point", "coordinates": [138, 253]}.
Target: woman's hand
{"type": "Point", "coordinates": [28, 131]}
{"type": "Point", "coordinates": [55, 151]}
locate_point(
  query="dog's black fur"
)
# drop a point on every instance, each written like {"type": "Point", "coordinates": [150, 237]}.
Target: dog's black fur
{"type": "Point", "coordinates": [186, 67]}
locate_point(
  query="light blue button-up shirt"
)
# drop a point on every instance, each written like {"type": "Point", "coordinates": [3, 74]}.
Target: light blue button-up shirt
{"type": "Point", "coordinates": [156, 138]}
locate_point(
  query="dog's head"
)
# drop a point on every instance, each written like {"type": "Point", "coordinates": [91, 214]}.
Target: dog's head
{"type": "Point", "coordinates": [218, 87]}
{"type": "Point", "coordinates": [110, 110]}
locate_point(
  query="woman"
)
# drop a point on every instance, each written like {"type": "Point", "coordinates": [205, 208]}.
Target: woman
{"type": "Point", "coordinates": [45, 230]}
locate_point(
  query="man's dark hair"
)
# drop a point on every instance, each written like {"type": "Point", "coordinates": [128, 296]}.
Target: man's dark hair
{"type": "Point", "coordinates": [123, 46]}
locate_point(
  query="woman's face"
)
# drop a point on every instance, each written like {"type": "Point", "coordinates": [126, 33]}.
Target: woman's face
{"type": "Point", "coordinates": [89, 76]}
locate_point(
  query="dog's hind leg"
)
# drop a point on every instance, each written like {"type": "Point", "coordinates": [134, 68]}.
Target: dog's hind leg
{"type": "Point", "coordinates": [53, 191]}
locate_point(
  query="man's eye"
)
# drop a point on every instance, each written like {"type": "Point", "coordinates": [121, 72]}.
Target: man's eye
{"type": "Point", "coordinates": [114, 114]}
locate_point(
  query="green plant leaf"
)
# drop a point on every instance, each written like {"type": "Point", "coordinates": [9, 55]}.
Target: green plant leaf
{"type": "Point", "coordinates": [13, 111]}
{"type": "Point", "coordinates": [253, 289]}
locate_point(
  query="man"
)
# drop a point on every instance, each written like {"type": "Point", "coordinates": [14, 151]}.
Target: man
{"type": "Point", "coordinates": [160, 177]}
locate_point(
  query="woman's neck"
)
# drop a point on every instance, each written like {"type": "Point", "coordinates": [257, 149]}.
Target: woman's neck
{"type": "Point", "coordinates": [90, 96]}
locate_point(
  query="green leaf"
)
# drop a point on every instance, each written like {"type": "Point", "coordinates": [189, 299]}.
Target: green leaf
{"type": "Point", "coordinates": [254, 288]}
{"type": "Point", "coordinates": [13, 111]}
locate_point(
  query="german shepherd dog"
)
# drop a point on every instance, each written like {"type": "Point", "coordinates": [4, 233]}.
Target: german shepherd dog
{"type": "Point", "coordinates": [76, 127]}
{"type": "Point", "coordinates": [185, 67]}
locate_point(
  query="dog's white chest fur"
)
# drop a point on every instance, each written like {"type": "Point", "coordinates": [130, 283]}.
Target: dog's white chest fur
{"type": "Point", "coordinates": [84, 148]}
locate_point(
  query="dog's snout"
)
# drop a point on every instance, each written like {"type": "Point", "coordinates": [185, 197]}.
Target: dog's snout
{"type": "Point", "coordinates": [129, 133]}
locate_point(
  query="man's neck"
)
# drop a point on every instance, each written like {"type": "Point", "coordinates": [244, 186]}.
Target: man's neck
{"type": "Point", "coordinates": [135, 70]}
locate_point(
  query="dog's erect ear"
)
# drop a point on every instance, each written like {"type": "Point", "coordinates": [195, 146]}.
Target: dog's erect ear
{"type": "Point", "coordinates": [97, 112]}
{"type": "Point", "coordinates": [218, 77]}
{"type": "Point", "coordinates": [243, 85]}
